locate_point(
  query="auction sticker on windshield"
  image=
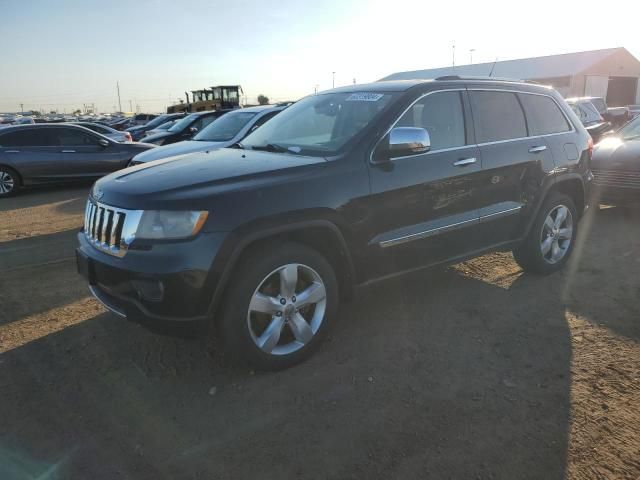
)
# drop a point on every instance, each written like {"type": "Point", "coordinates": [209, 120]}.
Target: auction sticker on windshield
{"type": "Point", "coordinates": [364, 97]}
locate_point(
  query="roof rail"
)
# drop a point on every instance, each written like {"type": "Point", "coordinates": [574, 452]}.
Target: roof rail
{"type": "Point", "coordinates": [480, 78]}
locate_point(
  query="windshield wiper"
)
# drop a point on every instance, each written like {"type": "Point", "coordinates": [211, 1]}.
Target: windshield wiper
{"type": "Point", "coordinates": [273, 147]}
{"type": "Point", "coordinates": [237, 145]}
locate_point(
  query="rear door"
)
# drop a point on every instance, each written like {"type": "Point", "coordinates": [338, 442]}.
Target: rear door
{"type": "Point", "coordinates": [33, 152]}
{"type": "Point", "coordinates": [513, 164]}
{"type": "Point", "coordinates": [424, 205]}
{"type": "Point", "coordinates": [83, 156]}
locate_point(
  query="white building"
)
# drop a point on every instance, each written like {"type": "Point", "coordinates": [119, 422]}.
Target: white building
{"type": "Point", "coordinates": [611, 73]}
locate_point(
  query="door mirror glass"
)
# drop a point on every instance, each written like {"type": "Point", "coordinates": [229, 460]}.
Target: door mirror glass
{"type": "Point", "coordinates": [405, 141]}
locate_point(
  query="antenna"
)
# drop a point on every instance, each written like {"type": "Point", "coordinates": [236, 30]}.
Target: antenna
{"type": "Point", "coordinates": [493, 66]}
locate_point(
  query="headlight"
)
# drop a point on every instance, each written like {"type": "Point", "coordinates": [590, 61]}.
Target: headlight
{"type": "Point", "coordinates": [168, 224]}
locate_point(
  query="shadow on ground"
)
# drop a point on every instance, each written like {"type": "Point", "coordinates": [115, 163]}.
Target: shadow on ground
{"type": "Point", "coordinates": [433, 376]}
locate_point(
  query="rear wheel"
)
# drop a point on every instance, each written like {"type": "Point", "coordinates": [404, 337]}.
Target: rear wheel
{"type": "Point", "coordinates": [552, 237]}
{"type": "Point", "coordinates": [9, 182]}
{"type": "Point", "coordinates": [279, 306]}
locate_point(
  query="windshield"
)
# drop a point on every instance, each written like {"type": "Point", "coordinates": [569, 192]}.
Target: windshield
{"type": "Point", "coordinates": [631, 130]}
{"type": "Point", "coordinates": [184, 123]}
{"type": "Point", "coordinates": [157, 121]}
{"type": "Point", "coordinates": [319, 125]}
{"type": "Point", "coordinates": [225, 127]}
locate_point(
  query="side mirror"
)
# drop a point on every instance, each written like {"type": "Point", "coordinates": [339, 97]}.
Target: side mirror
{"type": "Point", "coordinates": [103, 143]}
{"type": "Point", "coordinates": [404, 141]}
{"type": "Point", "coordinates": [193, 130]}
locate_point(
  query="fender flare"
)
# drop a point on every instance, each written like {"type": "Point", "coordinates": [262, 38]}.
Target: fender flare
{"type": "Point", "coordinates": [241, 244]}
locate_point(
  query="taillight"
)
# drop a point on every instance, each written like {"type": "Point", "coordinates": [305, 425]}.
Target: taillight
{"type": "Point", "coordinates": [127, 135]}
{"type": "Point", "coordinates": [590, 146]}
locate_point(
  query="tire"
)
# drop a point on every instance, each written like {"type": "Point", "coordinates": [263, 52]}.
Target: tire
{"type": "Point", "coordinates": [549, 244]}
{"type": "Point", "coordinates": [260, 322]}
{"type": "Point", "coordinates": [9, 182]}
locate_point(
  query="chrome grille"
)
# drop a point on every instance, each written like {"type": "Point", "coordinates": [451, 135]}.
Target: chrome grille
{"type": "Point", "coordinates": [618, 179]}
{"type": "Point", "coordinates": [110, 229]}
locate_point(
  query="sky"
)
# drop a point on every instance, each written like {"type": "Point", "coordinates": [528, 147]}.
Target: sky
{"type": "Point", "coordinates": [57, 55]}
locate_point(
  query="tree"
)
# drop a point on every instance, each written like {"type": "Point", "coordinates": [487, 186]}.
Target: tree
{"type": "Point", "coordinates": [263, 99]}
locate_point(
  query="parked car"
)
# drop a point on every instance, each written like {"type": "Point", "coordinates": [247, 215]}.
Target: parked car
{"type": "Point", "coordinates": [24, 121]}
{"type": "Point", "coordinates": [223, 132]}
{"type": "Point", "coordinates": [50, 153]}
{"type": "Point", "coordinates": [341, 189]}
{"type": "Point", "coordinates": [590, 117]}
{"type": "Point", "coordinates": [616, 116]}
{"type": "Point", "coordinates": [140, 131]}
{"type": "Point", "coordinates": [123, 124]}
{"type": "Point", "coordinates": [186, 128]}
{"type": "Point", "coordinates": [142, 118]}
{"type": "Point", "coordinates": [109, 132]}
{"type": "Point", "coordinates": [616, 166]}
{"type": "Point", "coordinates": [162, 128]}
{"type": "Point", "coordinates": [634, 111]}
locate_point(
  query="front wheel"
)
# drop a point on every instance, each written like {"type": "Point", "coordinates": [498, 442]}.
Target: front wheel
{"type": "Point", "coordinates": [551, 238]}
{"type": "Point", "coordinates": [279, 304]}
{"type": "Point", "coordinates": [9, 182]}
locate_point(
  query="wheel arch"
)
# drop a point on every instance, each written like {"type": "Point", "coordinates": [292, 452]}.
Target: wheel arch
{"type": "Point", "coordinates": [13, 169]}
{"type": "Point", "coordinates": [320, 234]}
{"type": "Point", "coordinates": [570, 184]}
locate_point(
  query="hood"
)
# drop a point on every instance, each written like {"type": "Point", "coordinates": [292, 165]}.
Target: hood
{"type": "Point", "coordinates": [190, 180]}
{"type": "Point", "coordinates": [613, 153]}
{"type": "Point", "coordinates": [180, 148]}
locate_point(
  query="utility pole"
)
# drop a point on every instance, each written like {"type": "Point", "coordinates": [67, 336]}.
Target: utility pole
{"type": "Point", "coordinates": [315, 89]}
{"type": "Point", "coordinates": [130, 106]}
{"type": "Point", "coordinates": [22, 107]}
{"type": "Point", "coordinates": [333, 83]}
{"type": "Point", "coordinates": [471, 55]}
{"type": "Point", "coordinates": [453, 59]}
{"type": "Point", "coordinates": [119, 103]}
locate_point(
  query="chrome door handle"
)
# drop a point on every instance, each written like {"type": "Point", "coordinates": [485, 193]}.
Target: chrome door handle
{"type": "Point", "coordinates": [464, 161]}
{"type": "Point", "coordinates": [12, 151]}
{"type": "Point", "coordinates": [538, 149]}
{"type": "Point", "coordinates": [68, 151]}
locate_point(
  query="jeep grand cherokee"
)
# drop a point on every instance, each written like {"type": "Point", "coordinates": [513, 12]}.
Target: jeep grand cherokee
{"type": "Point", "coordinates": [344, 188]}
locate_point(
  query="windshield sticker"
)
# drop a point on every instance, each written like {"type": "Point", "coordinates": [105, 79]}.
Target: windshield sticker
{"type": "Point", "coordinates": [364, 97]}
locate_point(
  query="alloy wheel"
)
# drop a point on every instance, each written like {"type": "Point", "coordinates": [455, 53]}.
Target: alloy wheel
{"type": "Point", "coordinates": [287, 309]}
{"type": "Point", "coordinates": [556, 235]}
{"type": "Point", "coordinates": [7, 182]}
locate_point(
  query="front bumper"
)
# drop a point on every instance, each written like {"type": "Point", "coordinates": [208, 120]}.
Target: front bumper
{"type": "Point", "coordinates": [163, 285]}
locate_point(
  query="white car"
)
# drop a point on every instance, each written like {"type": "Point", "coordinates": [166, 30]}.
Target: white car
{"type": "Point", "coordinates": [112, 133]}
{"type": "Point", "coordinates": [223, 132]}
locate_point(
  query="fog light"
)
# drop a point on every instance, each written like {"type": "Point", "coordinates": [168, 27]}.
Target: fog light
{"type": "Point", "coordinates": [150, 290]}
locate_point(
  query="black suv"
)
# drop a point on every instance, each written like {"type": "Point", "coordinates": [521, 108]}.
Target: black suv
{"type": "Point", "coordinates": [341, 189]}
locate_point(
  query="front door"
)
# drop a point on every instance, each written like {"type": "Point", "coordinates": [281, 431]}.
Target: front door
{"type": "Point", "coordinates": [83, 156]}
{"type": "Point", "coordinates": [424, 206]}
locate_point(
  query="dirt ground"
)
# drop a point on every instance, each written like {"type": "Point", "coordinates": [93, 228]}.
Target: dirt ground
{"type": "Point", "coordinates": [471, 372]}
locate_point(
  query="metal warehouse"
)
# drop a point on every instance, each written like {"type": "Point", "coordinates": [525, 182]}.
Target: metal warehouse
{"type": "Point", "coordinates": [611, 73]}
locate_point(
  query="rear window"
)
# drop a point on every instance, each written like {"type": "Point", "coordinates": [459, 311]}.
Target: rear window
{"type": "Point", "coordinates": [599, 104]}
{"type": "Point", "coordinates": [543, 115]}
{"type": "Point", "coordinates": [497, 116]}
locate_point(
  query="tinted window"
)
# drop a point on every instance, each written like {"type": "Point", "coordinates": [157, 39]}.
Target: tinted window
{"type": "Point", "coordinates": [70, 137]}
{"type": "Point", "coordinates": [441, 115]}
{"type": "Point", "coordinates": [28, 138]}
{"type": "Point", "coordinates": [543, 115]}
{"type": "Point", "coordinates": [497, 116]}
{"type": "Point", "coordinates": [599, 104]}
{"type": "Point", "coordinates": [226, 127]}
{"type": "Point", "coordinates": [204, 121]}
